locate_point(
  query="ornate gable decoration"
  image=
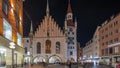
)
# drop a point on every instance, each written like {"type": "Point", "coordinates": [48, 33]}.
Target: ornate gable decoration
{"type": "Point", "coordinates": [48, 28]}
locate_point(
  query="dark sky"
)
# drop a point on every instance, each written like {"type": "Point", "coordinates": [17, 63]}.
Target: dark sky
{"type": "Point", "coordinates": [89, 14]}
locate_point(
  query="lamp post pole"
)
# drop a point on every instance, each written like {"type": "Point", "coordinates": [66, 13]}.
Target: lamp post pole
{"type": "Point", "coordinates": [12, 58]}
{"type": "Point", "coordinates": [12, 46]}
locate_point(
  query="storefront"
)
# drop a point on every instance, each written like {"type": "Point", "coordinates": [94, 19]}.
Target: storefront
{"type": "Point", "coordinates": [8, 55]}
{"type": "Point", "coordinates": [2, 57]}
{"type": "Point", "coordinates": [117, 58]}
{"type": "Point", "coordinates": [105, 60]}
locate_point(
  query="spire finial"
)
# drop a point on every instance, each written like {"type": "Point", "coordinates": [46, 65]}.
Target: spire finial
{"type": "Point", "coordinates": [69, 7]}
{"type": "Point", "coordinates": [31, 28]}
{"type": "Point", "coordinates": [47, 9]}
{"type": "Point", "coordinates": [76, 22]}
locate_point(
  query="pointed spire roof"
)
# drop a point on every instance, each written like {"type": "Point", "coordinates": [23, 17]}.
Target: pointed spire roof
{"type": "Point", "coordinates": [69, 10]}
{"type": "Point", "coordinates": [31, 28]}
{"type": "Point", "coordinates": [47, 8]}
{"type": "Point", "coordinates": [76, 20]}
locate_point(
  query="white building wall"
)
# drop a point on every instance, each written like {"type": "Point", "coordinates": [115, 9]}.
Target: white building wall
{"type": "Point", "coordinates": [91, 50]}
{"type": "Point", "coordinates": [63, 47]}
{"type": "Point", "coordinates": [72, 47]}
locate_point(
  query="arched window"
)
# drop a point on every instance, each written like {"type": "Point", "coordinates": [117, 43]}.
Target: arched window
{"type": "Point", "coordinates": [48, 46]}
{"type": "Point", "coordinates": [57, 47]}
{"type": "Point", "coordinates": [38, 48]}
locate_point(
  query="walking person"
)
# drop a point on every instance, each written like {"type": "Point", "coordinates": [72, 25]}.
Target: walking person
{"type": "Point", "coordinates": [69, 65]}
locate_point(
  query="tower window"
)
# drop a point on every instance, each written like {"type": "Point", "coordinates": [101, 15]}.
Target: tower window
{"type": "Point", "coordinates": [27, 41]}
{"type": "Point", "coordinates": [71, 29]}
{"type": "Point", "coordinates": [25, 50]}
{"type": "Point", "coordinates": [71, 53]}
{"type": "Point", "coordinates": [73, 33]}
{"type": "Point", "coordinates": [68, 32]}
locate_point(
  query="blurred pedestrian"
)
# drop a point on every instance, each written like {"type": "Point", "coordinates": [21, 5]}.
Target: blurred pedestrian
{"type": "Point", "coordinates": [69, 65]}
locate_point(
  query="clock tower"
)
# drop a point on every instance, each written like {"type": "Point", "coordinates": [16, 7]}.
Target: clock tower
{"type": "Point", "coordinates": [71, 35]}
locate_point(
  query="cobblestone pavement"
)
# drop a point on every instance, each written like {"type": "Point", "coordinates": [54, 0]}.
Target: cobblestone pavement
{"type": "Point", "coordinates": [97, 66]}
{"type": "Point", "coordinates": [65, 66]}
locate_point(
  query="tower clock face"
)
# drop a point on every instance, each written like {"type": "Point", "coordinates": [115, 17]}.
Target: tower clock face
{"type": "Point", "coordinates": [71, 40]}
{"type": "Point", "coordinates": [71, 29]}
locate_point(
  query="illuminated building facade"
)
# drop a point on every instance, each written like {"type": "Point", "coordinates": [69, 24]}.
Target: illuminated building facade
{"type": "Point", "coordinates": [91, 50]}
{"type": "Point", "coordinates": [50, 43]}
{"type": "Point", "coordinates": [110, 40]}
{"type": "Point", "coordinates": [11, 20]}
{"type": "Point", "coordinates": [71, 35]}
{"type": "Point", "coordinates": [79, 52]}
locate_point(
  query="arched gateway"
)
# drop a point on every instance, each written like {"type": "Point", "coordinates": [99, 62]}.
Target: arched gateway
{"type": "Point", "coordinates": [54, 59]}
{"type": "Point", "coordinates": [39, 59]}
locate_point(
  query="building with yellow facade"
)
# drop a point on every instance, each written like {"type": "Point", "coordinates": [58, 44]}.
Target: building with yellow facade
{"type": "Point", "coordinates": [11, 20]}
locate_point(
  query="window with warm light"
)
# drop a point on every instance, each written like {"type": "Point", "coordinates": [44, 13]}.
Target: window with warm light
{"type": "Point", "coordinates": [48, 46]}
{"type": "Point", "coordinates": [19, 39]}
{"type": "Point", "coordinates": [58, 47]}
{"type": "Point", "coordinates": [7, 30]}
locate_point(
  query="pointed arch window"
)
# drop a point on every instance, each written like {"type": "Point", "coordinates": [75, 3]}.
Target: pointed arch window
{"type": "Point", "coordinates": [57, 47]}
{"type": "Point", "coordinates": [48, 46]}
{"type": "Point", "coordinates": [38, 48]}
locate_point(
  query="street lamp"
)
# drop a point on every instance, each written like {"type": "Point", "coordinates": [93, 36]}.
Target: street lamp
{"type": "Point", "coordinates": [12, 46]}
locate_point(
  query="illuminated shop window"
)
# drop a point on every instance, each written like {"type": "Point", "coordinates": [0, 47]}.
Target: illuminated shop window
{"type": "Point", "coordinates": [7, 30]}
{"type": "Point", "coordinates": [19, 39]}
{"type": "Point", "coordinates": [116, 49]}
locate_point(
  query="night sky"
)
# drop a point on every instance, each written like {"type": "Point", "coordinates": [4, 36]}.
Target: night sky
{"type": "Point", "coordinates": [89, 14]}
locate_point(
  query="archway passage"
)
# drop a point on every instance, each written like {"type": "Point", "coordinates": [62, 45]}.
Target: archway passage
{"type": "Point", "coordinates": [54, 59]}
{"type": "Point", "coordinates": [72, 60]}
{"type": "Point", "coordinates": [39, 59]}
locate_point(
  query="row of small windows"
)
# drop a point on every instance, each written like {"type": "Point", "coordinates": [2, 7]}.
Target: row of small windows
{"type": "Point", "coordinates": [70, 47]}
{"type": "Point", "coordinates": [111, 41]}
{"type": "Point", "coordinates": [110, 34]}
{"type": "Point", "coordinates": [71, 38]}
{"type": "Point", "coordinates": [47, 47]}
{"type": "Point", "coordinates": [71, 32]}
{"type": "Point", "coordinates": [110, 50]}
{"type": "Point", "coordinates": [110, 26]}
{"type": "Point", "coordinates": [71, 42]}
{"type": "Point", "coordinates": [7, 32]}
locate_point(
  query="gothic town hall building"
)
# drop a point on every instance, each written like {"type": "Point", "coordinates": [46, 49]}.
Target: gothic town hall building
{"type": "Point", "coordinates": [51, 44]}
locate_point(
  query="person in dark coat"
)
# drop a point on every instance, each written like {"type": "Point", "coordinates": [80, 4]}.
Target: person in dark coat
{"type": "Point", "coordinates": [69, 65]}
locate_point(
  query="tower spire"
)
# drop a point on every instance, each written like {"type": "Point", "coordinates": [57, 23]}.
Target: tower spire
{"type": "Point", "coordinates": [69, 7]}
{"type": "Point", "coordinates": [76, 22]}
{"type": "Point", "coordinates": [31, 31]}
{"type": "Point", "coordinates": [47, 8]}
{"type": "Point", "coordinates": [31, 28]}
